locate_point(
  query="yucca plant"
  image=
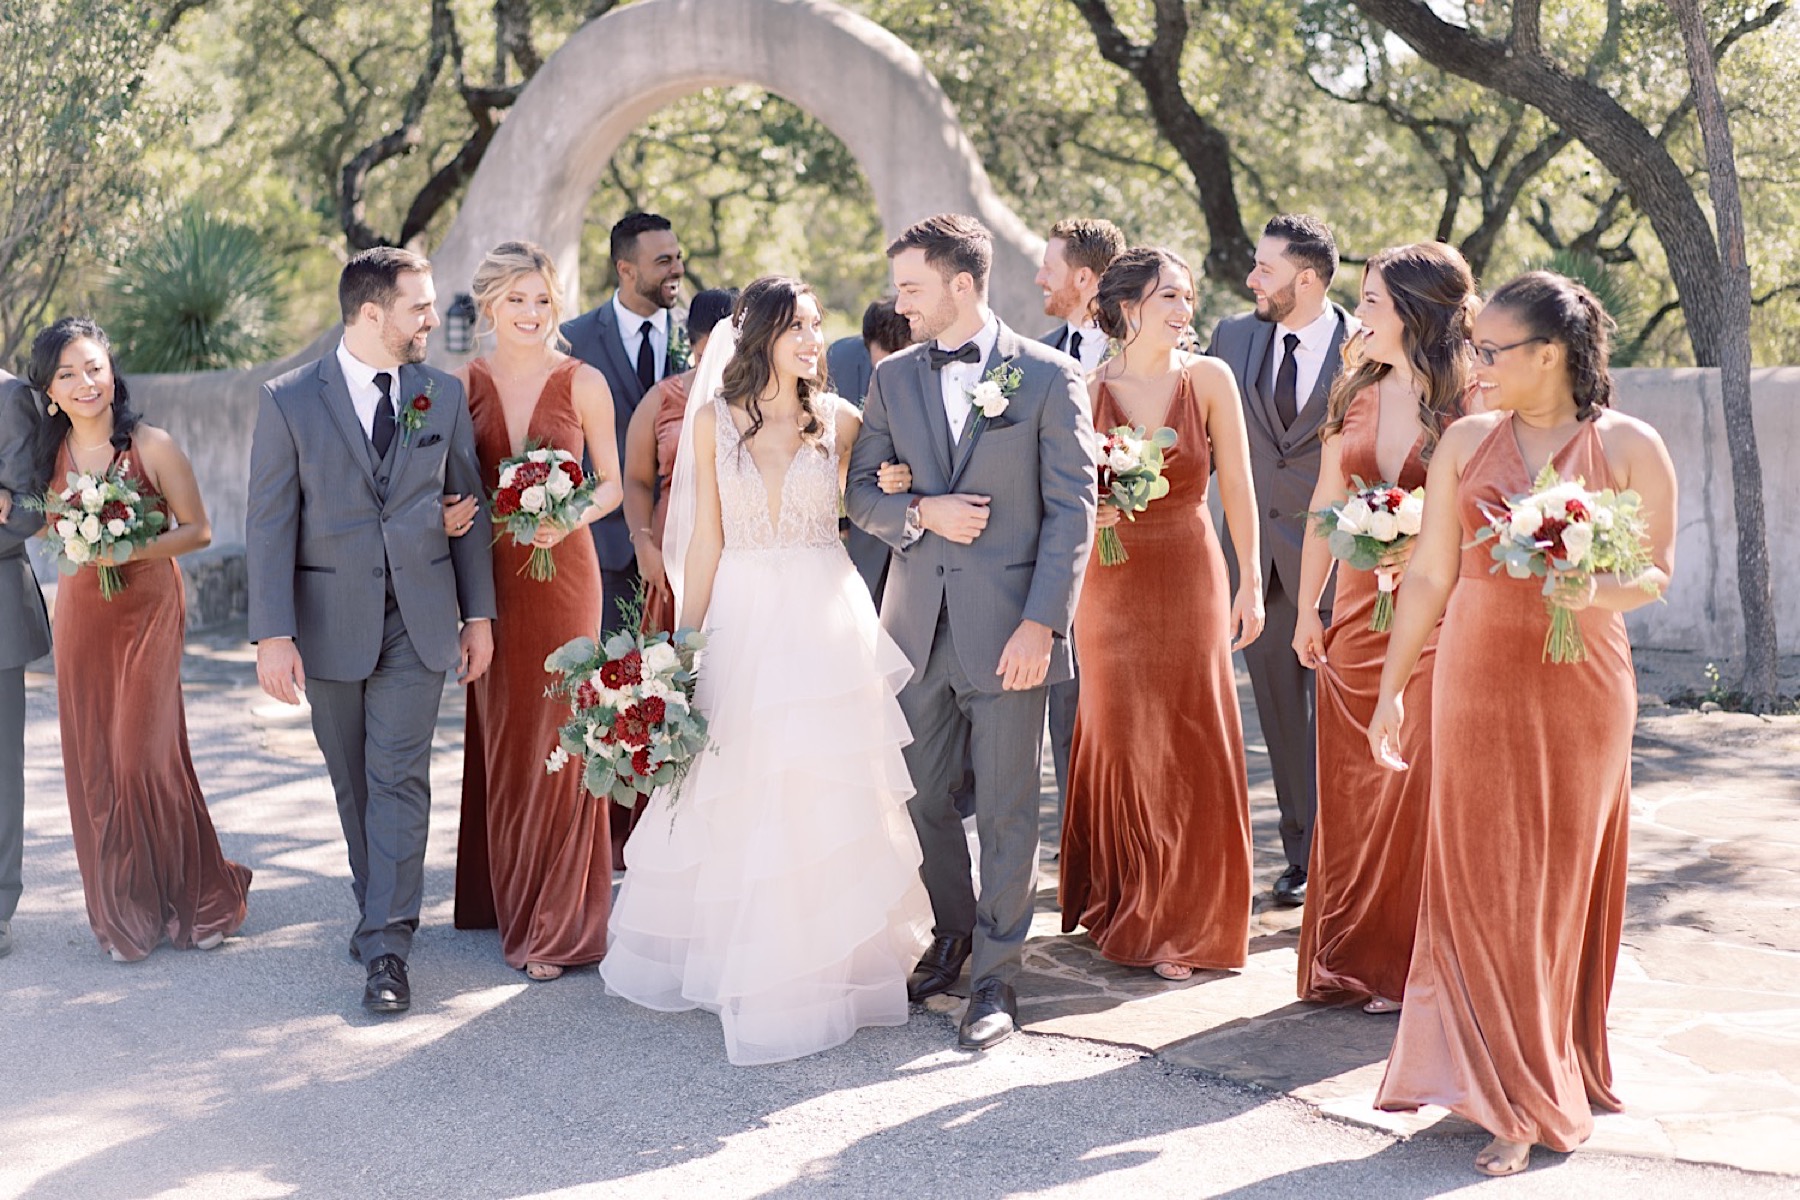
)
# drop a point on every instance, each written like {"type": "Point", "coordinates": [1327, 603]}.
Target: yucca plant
{"type": "Point", "coordinates": [1608, 287]}
{"type": "Point", "coordinates": [199, 294]}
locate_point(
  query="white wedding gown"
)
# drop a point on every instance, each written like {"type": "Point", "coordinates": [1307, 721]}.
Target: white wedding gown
{"type": "Point", "coordinates": [780, 886]}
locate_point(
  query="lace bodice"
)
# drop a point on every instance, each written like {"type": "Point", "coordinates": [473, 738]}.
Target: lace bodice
{"type": "Point", "coordinates": [808, 516]}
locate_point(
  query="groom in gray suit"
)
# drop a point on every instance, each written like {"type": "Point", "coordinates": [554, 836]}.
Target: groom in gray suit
{"type": "Point", "coordinates": [1285, 356]}
{"type": "Point", "coordinates": [24, 632]}
{"type": "Point", "coordinates": [356, 591]}
{"type": "Point", "coordinates": [991, 545]}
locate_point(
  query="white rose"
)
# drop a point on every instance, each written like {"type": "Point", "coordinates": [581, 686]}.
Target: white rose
{"type": "Point", "coordinates": [85, 483]}
{"type": "Point", "coordinates": [1578, 539]}
{"type": "Point", "coordinates": [1410, 515]}
{"type": "Point", "coordinates": [1383, 526]}
{"type": "Point", "coordinates": [67, 528]}
{"type": "Point", "coordinates": [116, 527]}
{"type": "Point", "coordinates": [539, 456]}
{"type": "Point", "coordinates": [1603, 519]}
{"type": "Point", "coordinates": [1353, 517]}
{"type": "Point", "coordinates": [91, 499]}
{"type": "Point", "coordinates": [613, 697]}
{"type": "Point", "coordinates": [1122, 458]}
{"type": "Point", "coordinates": [1526, 520]}
{"type": "Point", "coordinates": [508, 475]}
{"type": "Point", "coordinates": [90, 528]}
{"type": "Point", "coordinates": [532, 498]}
{"type": "Point", "coordinates": [559, 485]}
{"type": "Point", "coordinates": [989, 398]}
{"type": "Point", "coordinates": [660, 659]}
{"type": "Point", "coordinates": [77, 551]}
{"type": "Point", "coordinates": [592, 739]}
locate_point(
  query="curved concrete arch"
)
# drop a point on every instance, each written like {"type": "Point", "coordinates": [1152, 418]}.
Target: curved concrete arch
{"type": "Point", "coordinates": [863, 83]}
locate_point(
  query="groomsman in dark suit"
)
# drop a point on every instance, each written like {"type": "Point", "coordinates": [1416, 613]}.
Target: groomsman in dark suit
{"type": "Point", "coordinates": [629, 339]}
{"type": "Point", "coordinates": [1285, 356]}
{"type": "Point", "coordinates": [24, 631]}
{"type": "Point", "coordinates": [1075, 257]}
{"type": "Point", "coordinates": [849, 363]}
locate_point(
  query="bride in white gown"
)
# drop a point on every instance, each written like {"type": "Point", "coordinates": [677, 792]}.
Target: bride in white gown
{"type": "Point", "coordinates": [779, 885]}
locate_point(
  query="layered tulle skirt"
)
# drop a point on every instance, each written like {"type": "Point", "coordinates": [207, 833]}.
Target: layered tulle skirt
{"type": "Point", "coordinates": [779, 885]}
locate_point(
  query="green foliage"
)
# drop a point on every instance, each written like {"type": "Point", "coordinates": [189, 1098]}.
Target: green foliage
{"type": "Point", "coordinates": [198, 293]}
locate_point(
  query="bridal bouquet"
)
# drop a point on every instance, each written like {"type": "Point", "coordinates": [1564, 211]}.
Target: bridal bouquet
{"type": "Point", "coordinates": [1565, 534]}
{"type": "Point", "coordinates": [633, 723]}
{"type": "Point", "coordinates": [542, 484]}
{"type": "Point", "coordinates": [1131, 476]}
{"type": "Point", "coordinates": [1368, 530]}
{"type": "Point", "coordinates": [98, 517]}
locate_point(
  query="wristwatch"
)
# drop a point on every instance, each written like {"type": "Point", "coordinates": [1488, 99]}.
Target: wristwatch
{"type": "Point", "coordinates": [915, 524]}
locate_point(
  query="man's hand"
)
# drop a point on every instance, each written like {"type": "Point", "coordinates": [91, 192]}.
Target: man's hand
{"type": "Point", "coordinates": [477, 641]}
{"type": "Point", "coordinates": [279, 671]}
{"type": "Point", "coordinates": [1026, 660]}
{"type": "Point", "coordinates": [958, 517]}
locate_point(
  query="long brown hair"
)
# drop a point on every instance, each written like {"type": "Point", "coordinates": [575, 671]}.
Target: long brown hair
{"type": "Point", "coordinates": [1433, 292]}
{"type": "Point", "coordinates": [763, 313]}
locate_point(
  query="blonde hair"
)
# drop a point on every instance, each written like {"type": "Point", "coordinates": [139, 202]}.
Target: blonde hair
{"type": "Point", "coordinates": [500, 268]}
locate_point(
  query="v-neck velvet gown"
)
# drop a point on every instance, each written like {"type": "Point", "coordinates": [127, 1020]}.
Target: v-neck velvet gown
{"type": "Point", "coordinates": [1525, 854]}
{"type": "Point", "coordinates": [534, 855]}
{"type": "Point", "coordinates": [1362, 882]}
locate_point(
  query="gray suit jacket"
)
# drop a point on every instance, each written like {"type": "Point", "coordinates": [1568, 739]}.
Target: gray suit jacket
{"type": "Point", "coordinates": [1035, 462]}
{"type": "Point", "coordinates": [848, 366]}
{"type": "Point", "coordinates": [24, 624]}
{"type": "Point", "coordinates": [594, 338]}
{"type": "Point", "coordinates": [325, 532]}
{"type": "Point", "coordinates": [1284, 463]}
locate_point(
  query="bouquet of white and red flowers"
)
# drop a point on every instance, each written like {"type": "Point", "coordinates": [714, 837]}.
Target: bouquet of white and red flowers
{"type": "Point", "coordinates": [1368, 531]}
{"type": "Point", "coordinates": [542, 484]}
{"type": "Point", "coordinates": [1565, 534]}
{"type": "Point", "coordinates": [633, 723]}
{"type": "Point", "coordinates": [1131, 476]}
{"type": "Point", "coordinates": [98, 517]}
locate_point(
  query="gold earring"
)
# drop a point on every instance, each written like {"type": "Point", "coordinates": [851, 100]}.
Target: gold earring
{"type": "Point", "coordinates": [50, 408]}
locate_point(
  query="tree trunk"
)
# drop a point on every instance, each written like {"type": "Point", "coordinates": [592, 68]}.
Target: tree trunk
{"type": "Point", "coordinates": [1755, 592]}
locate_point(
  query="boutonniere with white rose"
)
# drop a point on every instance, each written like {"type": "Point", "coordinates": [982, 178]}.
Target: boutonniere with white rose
{"type": "Point", "coordinates": [680, 353]}
{"type": "Point", "coordinates": [993, 395]}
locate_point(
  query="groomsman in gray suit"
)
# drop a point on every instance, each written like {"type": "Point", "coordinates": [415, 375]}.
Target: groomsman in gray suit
{"type": "Point", "coordinates": [24, 631]}
{"type": "Point", "coordinates": [356, 590]}
{"type": "Point", "coordinates": [630, 340]}
{"type": "Point", "coordinates": [1285, 356]}
{"type": "Point", "coordinates": [990, 548]}
{"type": "Point", "coordinates": [850, 363]}
{"type": "Point", "coordinates": [1075, 257]}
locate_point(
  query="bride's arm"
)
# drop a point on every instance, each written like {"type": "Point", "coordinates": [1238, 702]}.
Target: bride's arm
{"type": "Point", "coordinates": [708, 539]}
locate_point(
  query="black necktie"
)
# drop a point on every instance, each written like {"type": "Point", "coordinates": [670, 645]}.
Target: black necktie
{"type": "Point", "coordinates": [383, 435]}
{"type": "Point", "coordinates": [968, 353]}
{"type": "Point", "coordinates": [1287, 406]}
{"type": "Point", "coordinates": [1075, 344]}
{"type": "Point", "coordinates": [646, 366]}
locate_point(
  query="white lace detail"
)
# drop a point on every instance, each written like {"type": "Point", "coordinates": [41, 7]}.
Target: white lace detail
{"type": "Point", "coordinates": [809, 490]}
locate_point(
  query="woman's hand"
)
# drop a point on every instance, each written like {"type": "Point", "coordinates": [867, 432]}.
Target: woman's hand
{"type": "Point", "coordinates": [1247, 615]}
{"type": "Point", "coordinates": [5, 506]}
{"type": "Point", "coordinates": [1384, 732]}
{"type": "Point", "coordinates": [894, 478]}
{"type": "Point", "coordinates": [650, 561]}
{"type": "Point", "coordinates": [1107, 515]}
{"type": "Point", "coordinates": [1573, 592]}
{"type": "Point", "coordinates": [459, 514]}
{"type": "Point", "coordinates": [548, 534]}
{"type": "Point", "coordinates": [1309, 639]}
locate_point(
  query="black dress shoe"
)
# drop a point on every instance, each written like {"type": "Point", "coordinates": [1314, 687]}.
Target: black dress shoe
{"type": "Point", "coordinates": [992, 1017]}
{"type": "Point", "coordinates": [1290, 889]}
{"type": "Point", "coordinates": [387, 990]}
{"type": "Point", "coordinates": [942, 964]}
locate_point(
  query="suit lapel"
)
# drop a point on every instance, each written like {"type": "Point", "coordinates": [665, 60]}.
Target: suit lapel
{"type": "Point", "coordinates": [412, 383]}
{"type": "Point", "coordinates": [1257, 393]}
{"type": "Point", "coordinates": [334, 397]}
{"type": "Point", "coordinates": [612, 344]}
{"type": "Point", "coordinates": [1005, 348]}
{"type": "Point", "coordinates": [931, 397]}
{"type": "Point", "coordinates": [1307, 423]}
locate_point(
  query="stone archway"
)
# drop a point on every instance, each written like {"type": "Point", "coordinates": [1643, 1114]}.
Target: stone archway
{"type": "Point", "coordinates": [863, 83]}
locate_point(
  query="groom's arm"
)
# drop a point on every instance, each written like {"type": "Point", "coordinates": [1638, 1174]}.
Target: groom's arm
{"type": "Point", "coordinates": [872, 509]}
{"type": "Point", "coordinates": [1069, 484]}
{"type": "Point", "coordinates": [272, 523]}
{"type": "Point", "coordinates": [472, 554]}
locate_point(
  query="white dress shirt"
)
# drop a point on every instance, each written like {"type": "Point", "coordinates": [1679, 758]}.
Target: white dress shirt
{"type": "Point", "coordinates": [364, 395]}
{"type": "Point", "coordinates": [1309, 356]}
{"type": "Point", "coordinates": [958, 379]}
{"type": "Point", "coordinates": [631, 332]}
{"type": "Point", "coordinates": [1093, 345]}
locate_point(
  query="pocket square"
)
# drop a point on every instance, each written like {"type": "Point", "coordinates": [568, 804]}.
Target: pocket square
{"type": "Point", "coordinates": [432, 440]}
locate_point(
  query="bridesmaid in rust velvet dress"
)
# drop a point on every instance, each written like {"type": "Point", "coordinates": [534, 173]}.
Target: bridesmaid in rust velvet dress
{"type": "Point", "coordinates": [1156, 830]}
{"type": "Point", "coordinates": [1525, 852]}
{"type": "Point", "coordinates": [533, 856]}
{"type": "Point", "coordinates": [1369, 836]}
{"type": "Point", "coordinates": [151, 866]}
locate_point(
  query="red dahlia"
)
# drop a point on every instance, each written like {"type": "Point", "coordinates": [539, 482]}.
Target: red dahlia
{"type": "Point", "coordinates": [654, 709]}
{"type": "Point", "coordinates": [573, 471]}
{"type": "Point", "coordinates": [629, 727]}
{"type": "Point", "coordinates": [587, 695]}
{"type": "Point", "coordinates": [114, 510]}
{"type": "Point", "coordinates": [640, 762]}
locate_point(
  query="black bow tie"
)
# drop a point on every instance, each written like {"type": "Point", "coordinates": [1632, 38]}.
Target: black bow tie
{"type": "Point", "coordinates": [940, 359]}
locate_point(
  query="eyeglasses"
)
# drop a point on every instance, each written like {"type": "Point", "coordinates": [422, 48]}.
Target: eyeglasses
{"type": "Point", "coordinates": [1487, 354]}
